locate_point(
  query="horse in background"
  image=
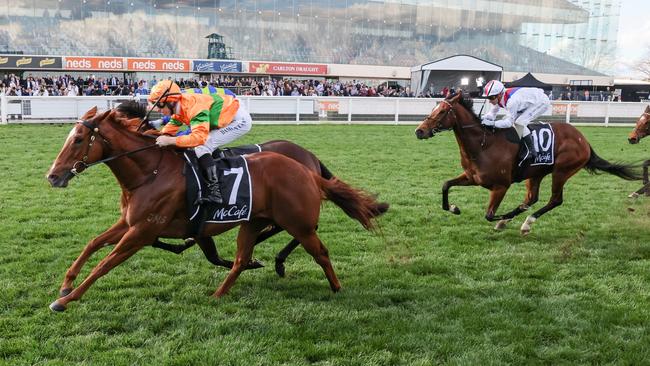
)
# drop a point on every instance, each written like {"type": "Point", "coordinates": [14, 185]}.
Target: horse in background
{"type": "Point", "coordinates": [285, 193]}
{"type": "Point", "coordinates": [489, 160]}
{"type": "Point", "coordinates": [641, 130]}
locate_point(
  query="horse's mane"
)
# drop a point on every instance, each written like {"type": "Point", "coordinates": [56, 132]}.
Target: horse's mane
{"type": "Point", "coordinates": [467, 103]}
{"type": "Point", "coordinates": [132, 109]}
{"type": "Point", "coordinates": [131, 115]}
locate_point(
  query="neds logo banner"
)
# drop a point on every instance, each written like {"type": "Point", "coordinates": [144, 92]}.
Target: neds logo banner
{"type": "Point", "coordinates": [157, 64]}
{"type": "Point", "coordinates": [94, 63]}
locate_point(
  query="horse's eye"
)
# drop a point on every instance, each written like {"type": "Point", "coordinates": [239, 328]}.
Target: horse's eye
{"type": "Point", "coordinates": [78, 140]}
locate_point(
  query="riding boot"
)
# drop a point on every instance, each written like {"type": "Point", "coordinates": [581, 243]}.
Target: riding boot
{"type": "Point", "coordinates": [212, 192]}
{"type": "Point", "coordinates": [528, 141]}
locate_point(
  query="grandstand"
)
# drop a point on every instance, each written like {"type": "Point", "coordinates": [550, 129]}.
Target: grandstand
{"type": "Point", "coordinates": [375, 32]}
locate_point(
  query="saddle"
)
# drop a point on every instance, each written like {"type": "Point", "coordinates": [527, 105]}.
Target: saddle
{"type": "Point", "coordinates": [544, 141]}
{"type": "Point", "coordinates": [236, 188]}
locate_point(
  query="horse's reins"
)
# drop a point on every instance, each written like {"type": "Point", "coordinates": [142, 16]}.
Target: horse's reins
{"type": "Point", "coordinates": [453, 112]}
{"type": "Point", "coordinates": [95, 130]}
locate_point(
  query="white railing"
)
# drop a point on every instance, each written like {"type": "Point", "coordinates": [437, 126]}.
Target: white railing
{"type": "Point", "coordinates": [298, 110]}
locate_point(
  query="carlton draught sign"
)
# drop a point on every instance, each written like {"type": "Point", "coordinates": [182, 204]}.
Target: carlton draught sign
{"type": "Point", "coordinates": [287, 69]}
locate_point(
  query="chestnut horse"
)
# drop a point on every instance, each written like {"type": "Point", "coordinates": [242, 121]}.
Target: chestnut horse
{"type": "Point", "coordinates": [490, 161]}
{"type": "Point", "coordinates": [285, 193]}
{"type": "Point", "coordinates": [135, 112]}
{"type": "Point", "coordinates": [641, 130]}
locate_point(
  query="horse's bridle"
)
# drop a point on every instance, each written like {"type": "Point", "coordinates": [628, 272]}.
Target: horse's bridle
{"type": "Point", "coordinates": [94, 129]}
{"type": "Point", "coordinates": [437, 128]}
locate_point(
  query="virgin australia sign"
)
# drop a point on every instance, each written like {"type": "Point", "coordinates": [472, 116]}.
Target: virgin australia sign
{"type": "Point", "coordinates": [216, 66]}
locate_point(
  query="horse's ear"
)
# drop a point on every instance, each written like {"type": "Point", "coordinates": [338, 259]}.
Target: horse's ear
{"type": "Point", "coordinates": [132, 124]}
{"type": "Point", "coordinates": [456, 97]}
{"type": "Point", "coordinates": [90, 114]}
{"type": "Point", "coordinates": [647, 108]}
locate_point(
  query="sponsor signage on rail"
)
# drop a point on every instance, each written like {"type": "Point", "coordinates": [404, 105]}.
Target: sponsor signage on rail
{"type": "Point", "coordinates": [30, 62]}
{"type": "Point", "coordinates": [94, 63]}
{"type": "Point", "coordinates": [287, 69]}
{"type": "Point", "coordinates": [328, 105]}
{"type": "Point", "coordinates": [560, 108]}
{"type": "Point", "coordinates": [158, 64]}
{"type": "Point", "coordinates": [216, 66]}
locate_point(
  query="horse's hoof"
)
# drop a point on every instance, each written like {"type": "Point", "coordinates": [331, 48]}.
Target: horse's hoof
{"type": "Point", "coordinates": [279, 268]}
{"type": "Point", "coordinates": [254, 264]}
{"type": "Point", "coordinates": [501, 224]}
{"type": "Point", "coordinates": [56, 307]}
{"type": "Point", "coordinates": [454, 209]}
{"type": "Point", "coordinates": [65, 292]}
{"type": "Point", "coordinates": [526, 226]}
{"type": "Point", "coordinates": [633, 195]}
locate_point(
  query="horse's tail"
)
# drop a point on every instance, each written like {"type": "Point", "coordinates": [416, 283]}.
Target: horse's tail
{"type": "Point", "coordinates": [356, 203]}
{"type": "Point", "coordinates": [625, 171]}
{"type": "Point", "coordinates": [324, 172]}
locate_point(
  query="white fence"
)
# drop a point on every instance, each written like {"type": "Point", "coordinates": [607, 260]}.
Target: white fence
{"type": "Point", "coordinates": [296, 110]}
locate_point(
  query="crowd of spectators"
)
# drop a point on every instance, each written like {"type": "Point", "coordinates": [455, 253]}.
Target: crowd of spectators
{"type": "Point", "coordinates": [68, 85]}
{"type": "Point", "coordinates": [273, 87]}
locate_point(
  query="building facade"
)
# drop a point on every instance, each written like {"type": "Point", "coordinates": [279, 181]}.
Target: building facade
{"type": "Point", "coordinates": [591, 44]}
{"type": "Point", "coordinates": [372, 32]}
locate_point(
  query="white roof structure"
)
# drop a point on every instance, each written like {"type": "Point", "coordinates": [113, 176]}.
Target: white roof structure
{"type": "Point", "coordinates": [459, 63]}
{"type": "Point", "coordinates": [460, 71]}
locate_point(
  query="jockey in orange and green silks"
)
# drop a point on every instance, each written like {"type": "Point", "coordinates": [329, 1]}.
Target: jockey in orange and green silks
{"type": "Point", "coordinates": [214, 120]}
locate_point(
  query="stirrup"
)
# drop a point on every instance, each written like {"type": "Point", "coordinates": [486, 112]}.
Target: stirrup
{"type": "Point", "coordinates": [213, 194]}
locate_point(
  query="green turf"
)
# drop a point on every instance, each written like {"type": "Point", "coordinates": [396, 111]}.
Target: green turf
{"type": "Point", "coordinates": [430, 288]}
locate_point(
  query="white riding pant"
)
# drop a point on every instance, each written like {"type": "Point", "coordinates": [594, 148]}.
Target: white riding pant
{"type": "Point", "coordinates": [527, 116]}
{"type": "Point", "coordinates": [240, 125]}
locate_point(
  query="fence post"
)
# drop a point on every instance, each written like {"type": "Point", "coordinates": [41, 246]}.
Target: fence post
{"type": "Point", "coordinates": [349, 110]}
{"type": "Point", "coordinates": [3, 109]}
{"type": "Point", "coordinates": [607, 115]}
{"type": "Point", "coordinates": [297, 110]}
{"type": "Point", "coordinates": [568, 113]}
{"type": "Point", "coordinates": [396, 110]}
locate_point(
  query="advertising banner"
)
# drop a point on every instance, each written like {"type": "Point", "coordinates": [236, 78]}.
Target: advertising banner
{"type": "Point", "coordinates": [328, 105]}
{"type": "Point", "coordinates": [94, 63]}
{"type": "Point", "coordinates": [287, 69]}
{"type": "Point", "coordinates": [216, 66]}
{"type": "Point", "coordinates": [560, 108]}
{"type": "Point", "coordinates": [158, 64]}
{"type": "Point", "coordinates": [30, 62]}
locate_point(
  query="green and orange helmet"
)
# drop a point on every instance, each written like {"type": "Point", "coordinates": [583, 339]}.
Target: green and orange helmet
{"type": "Point", "coordinates": [165, 91]}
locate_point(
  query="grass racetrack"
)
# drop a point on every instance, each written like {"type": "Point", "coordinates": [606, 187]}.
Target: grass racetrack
{"type": "Point", "coordinates": [429, 288]}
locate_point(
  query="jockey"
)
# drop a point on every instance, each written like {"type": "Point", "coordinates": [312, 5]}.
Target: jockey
{"type": "Point", "coordinates": [214, 120]}
{"type": "Point", "coordinates": [522, 106]}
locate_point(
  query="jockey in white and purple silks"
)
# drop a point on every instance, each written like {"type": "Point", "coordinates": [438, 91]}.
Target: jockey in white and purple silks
{"type": "Point", "coordinates": [522, 106]}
